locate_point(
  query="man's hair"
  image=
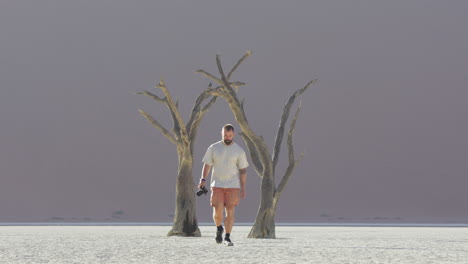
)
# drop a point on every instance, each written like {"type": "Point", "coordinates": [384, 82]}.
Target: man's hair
{"type": "Point", "coordinates": [228, 127]}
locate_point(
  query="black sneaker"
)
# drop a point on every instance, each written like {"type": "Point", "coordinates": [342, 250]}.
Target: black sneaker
{"type": "Point", "coordinates": [228, 242]}
{"type": "Point", "coordinates": [219, 235]}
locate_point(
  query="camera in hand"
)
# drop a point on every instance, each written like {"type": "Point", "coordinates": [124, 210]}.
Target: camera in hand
{"type": "Point", "coordinates": [202, 190]}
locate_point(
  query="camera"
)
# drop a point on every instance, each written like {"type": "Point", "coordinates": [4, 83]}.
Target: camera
{"type": "Point", "coordinates": [202, 190]}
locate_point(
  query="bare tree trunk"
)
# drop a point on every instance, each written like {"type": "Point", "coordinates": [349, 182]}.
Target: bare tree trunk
{"type": "Point", "coordinates": [264, 226]}
{"type": "Point", "coordinates": [183, 136]}
{"type": "Point", "coordinates": [185, 220]}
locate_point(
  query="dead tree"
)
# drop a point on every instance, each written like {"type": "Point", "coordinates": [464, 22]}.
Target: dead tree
{"type": "Point", "coordinates": [263, 163]}
{"type": "Point", "coordinates": [183, 136]}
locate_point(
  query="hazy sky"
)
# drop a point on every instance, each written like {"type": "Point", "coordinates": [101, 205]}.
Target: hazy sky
{"type": "Point", "coordinates": [384, 131]}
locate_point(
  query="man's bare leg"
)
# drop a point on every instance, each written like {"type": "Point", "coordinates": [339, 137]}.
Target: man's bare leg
{"type": "Point", "coordinates": [218, 220]}
{"type": "Point", "coordinates": [218, 214]}
{"type": "Point", "coordinates": [229, 220]}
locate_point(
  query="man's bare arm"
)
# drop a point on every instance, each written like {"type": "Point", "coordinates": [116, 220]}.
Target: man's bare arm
{"type": "Point", "coordinates": [243, 180]}
{"type": "Point", "coordinates": [206, 169]}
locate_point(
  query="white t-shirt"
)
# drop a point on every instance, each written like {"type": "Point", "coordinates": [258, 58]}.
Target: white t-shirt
{"type": "Point", "coordinates": [226, 162]}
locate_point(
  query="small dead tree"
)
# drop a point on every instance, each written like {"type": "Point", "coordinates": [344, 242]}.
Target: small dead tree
{"type": "Point", "coordinates": [183, 136]}
{"type": "Point", "coordinates": [263, 163]}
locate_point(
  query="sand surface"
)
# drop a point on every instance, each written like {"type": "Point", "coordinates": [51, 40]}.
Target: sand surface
{"type": "Point", "coordinates": [149, 244]}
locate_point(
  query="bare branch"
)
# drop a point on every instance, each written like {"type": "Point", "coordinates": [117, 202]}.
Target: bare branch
{"type": "Point", "coordinates": [176, 129]}
{"type": "Point", "coordinates": [209, 104]}
{"type": "Point", "coordinates": [196, 107]}
{"type": "Point", "coordinates": [196, 123]}
{"type": "Point", "coordinates": [155, 97]}
{"type": "Point", "coordinates": [291, 132]}
{"type": "Point", "coordinates": [225, 83]}
{"type": "Point", "coordinates": [178, 121]}
{"type": "Point", "coordinates": [236, 85]}
{"type": "Point", "coordinates": [198, 112]}
{"type": "Point", "coordinates": [242, 104]}
{"type": "Point", "coordinates": [218, 91]}
{"type": "Point", "coordinates": [258, 166]}
{"type": "Point", "coordinates": [231, 96]}
{"type": "Point", "coordinates": [305, 87]}
{"type": "Point", "coordinates": [210, 76]}
{"type": "Point", "coordinates": [158, 125]}
{"type": "Point", "coordinates": [284, 118]}
{"type": "Point", "coordinates": [292, 161]}
{"type": "Point", "coordinates": [246, 55]}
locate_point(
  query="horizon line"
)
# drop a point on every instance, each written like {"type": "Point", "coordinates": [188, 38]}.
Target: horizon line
{"type": "Point", "coordinates": [238, 224]}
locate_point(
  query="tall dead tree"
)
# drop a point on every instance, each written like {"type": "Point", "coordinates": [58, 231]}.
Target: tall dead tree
{"type": "Point", "coordinates": [183, 136]}
{"type": "Point", "coordinates": [263, 163]}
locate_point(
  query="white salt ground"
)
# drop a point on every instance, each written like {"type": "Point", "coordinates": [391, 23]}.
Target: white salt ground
{"type": "Point", "coordinates": [149, 244]}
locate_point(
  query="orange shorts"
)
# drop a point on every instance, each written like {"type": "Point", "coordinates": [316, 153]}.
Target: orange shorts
{"type": "Point", "coordinates": [224, 196]}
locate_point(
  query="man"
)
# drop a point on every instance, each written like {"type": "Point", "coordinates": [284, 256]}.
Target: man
{"type": "Point", "coordinates": [228, 178]}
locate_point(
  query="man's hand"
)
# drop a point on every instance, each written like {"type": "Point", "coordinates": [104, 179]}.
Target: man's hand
{"type": "Point", "coordinates": [202, 183]}
{"type": "Point", "coordinates": [242, 193]}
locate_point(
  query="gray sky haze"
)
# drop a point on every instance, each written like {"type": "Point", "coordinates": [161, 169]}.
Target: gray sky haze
{"type": "Point", "coordinates": [383, 130]}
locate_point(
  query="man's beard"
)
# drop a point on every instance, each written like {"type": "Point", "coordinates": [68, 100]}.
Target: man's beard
{"type": "Point", "coordinates": [227, 142]}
